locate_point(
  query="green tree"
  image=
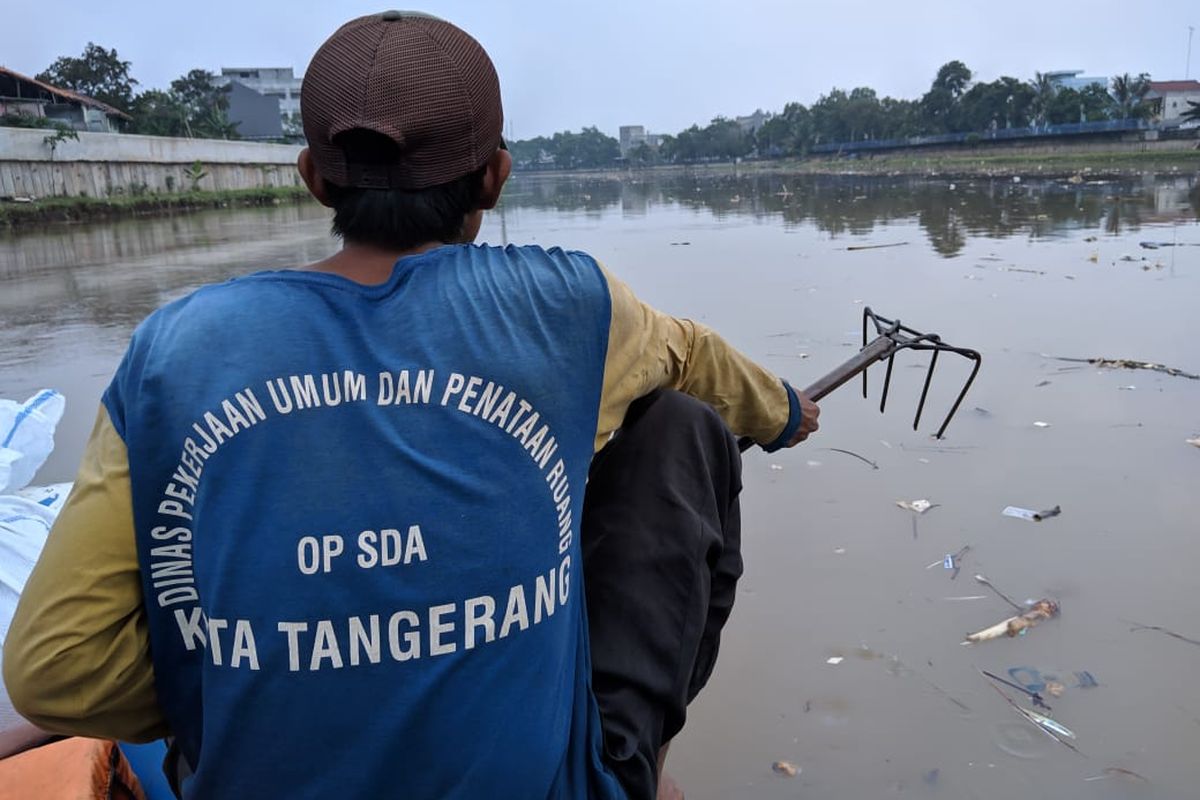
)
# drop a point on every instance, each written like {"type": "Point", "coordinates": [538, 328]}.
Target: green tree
{"type": "Point", "coordinates": [1129, 95]}
{"type": "Point", "coordinates": [1192, 114]}
{"type": "Point", "coordinates": [204, 105]}
{"type": "Point", "coordinates": [953, 77]}
{"type": "Point", "coordinates": [1044, 91]}
{"type": "Point", "coordinates": [98, 73]}
{"type": "Point", "coordinates": [158, 113]}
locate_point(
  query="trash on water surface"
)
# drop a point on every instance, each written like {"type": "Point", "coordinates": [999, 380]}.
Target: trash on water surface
{"type": "Point", "coordinates": [916, 506]}
{"type": "Point", "coordinates": [1031, 691]}
{"type": "Point", "coordinates": [1031, 515]}
{"type": "Point", "coordinates": [1032, 681]}
{"type": "Point", "coordinates": [1193, 442]}
{"type": "Point", "coordinates": [1118, 772]}
{"type": "Point", "coordinates": [1015, 626]}
{"type": "Point", "coordinates": [839, 551]}
{"type": "Point", "coordinates": [786, 768]}
{"type": "Point", "coordinates": [1129, 363]}
{"type": "Point", "coordinates": [835, 660]}
{"type": "Point", "coordinates": [777, 466]}
{"type": "Point", "coordinates": [1040, 424]}
{"type": "Point", "coordinates": [1051, 727]}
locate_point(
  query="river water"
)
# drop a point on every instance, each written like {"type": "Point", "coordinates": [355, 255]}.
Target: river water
{"type": "Point", "coordinates": [1022, 271]}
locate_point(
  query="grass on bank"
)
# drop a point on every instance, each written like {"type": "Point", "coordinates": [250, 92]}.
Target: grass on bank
{"type": "Point", "coordinates": [51, 210]}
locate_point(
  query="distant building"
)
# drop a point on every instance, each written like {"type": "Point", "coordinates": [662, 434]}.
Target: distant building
{"type": "Point", "coordinates": [752, 122]}
{"type": "Point", "coordinates": [256, 116]}
{"type": "Point", "coordinates": [1173, 98]}
{"type": "Point", "coordinates": [278, 83]}
{"type": "Point", "coordinates": [22, 95]}
{"type": "Point", "coordinates": [1075, 79]}
{"type": "Point", "coordinates": [632, 136]}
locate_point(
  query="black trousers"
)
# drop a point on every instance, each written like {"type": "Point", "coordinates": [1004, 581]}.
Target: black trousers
{"type": "Point", "coordinates": [661, 539]}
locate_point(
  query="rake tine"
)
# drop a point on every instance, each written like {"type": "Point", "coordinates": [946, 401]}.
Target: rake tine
{"type": "Point", "coordinates": [887, 382]}
{"type": "Point", "coordinates": [974, 356]}
{"type": "Point", "coordinates": [925, 389]}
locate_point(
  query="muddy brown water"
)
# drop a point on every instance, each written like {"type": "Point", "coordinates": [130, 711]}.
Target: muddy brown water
{"type": "Point", "coordinates": [1021, 271]}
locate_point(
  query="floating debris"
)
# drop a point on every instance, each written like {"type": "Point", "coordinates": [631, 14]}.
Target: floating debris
{"type": "Point", "coordinates": [1040, 424]}
{"type": "Point", "coordinates": [835, 660]}
{"type": "Point", "coordinates": [1137, 626]}
{"type": "Point", "coordinates": [1119, 772]}
{"type": "Point", "coordinates": [1085, 680]}
{"type": "Point", "coordinates": [1052, 728]}
{"type": "Point", "coordinates": [875, 246]}
{"type": "Point", "coordinates": [776, 467]}
{"type": "Point", "coordinates": [1016, 626]}
{"type": "Point", "coordinates": [966, 597]}
{"type": "Point", "coordinates": [1126, 363]}
{"type": "Point", "coordinates": [1055, 688]}
{"type": "Point", "coordinates": [839, 551]}
{"type": "Point", "coordinates": [953, 561]}
{"type": "Point", "coordinates": [680, 244]}
{"type": "Point", "coordinates": [867, 461]}
{"type": "Point", "coordinates": [1003, 596]}
{"type": "Point", "coordinates": [1193, 442]}
{"type": "Point", "coordinates": [1040, 384]}
{"type": "Point", "coordinates": [1031, 515]}
{"type": "Point", "coordinates": [1019, 269]}
{"type": "Point", "coordinates": [1091, 239]}
{"type": "Point", "coordinates": [932, 776]}
{"type": "Point", "coordinates": [785, 768]}
{"type": "Point", "coordinates": [916, 506]}
{"type": "Point", "coordinates": [1037, 699]}
{"type": "Point", "coordinates": [1128, 388]}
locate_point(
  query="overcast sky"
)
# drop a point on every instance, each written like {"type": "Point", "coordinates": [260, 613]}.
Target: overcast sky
{"type": "Point", "coordinates": [661, 63]}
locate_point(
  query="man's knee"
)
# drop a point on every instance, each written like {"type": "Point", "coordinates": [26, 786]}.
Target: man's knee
{"type": "Point", "coordinates": [665, 412]}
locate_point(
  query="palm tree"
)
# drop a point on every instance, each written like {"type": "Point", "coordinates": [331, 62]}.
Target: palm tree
{"type": "Point", "coordinates": [1193, 113]}
{"type": "Point", "coordinates": [1129, 94]}
{"type": "Point", "coordinates": [1044, 91]}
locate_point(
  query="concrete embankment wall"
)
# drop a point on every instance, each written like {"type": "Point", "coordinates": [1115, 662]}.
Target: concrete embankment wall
{"type": "Point", "coordinates": [107, 164]}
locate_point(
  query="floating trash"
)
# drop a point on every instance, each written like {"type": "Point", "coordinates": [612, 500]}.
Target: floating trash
{"type": "Point", "coordinates": [835, 660]}
{"type": "Point", "coordinates": [1016, 626]}
{"type": "Point", "coordinates": [1040, 424]}
{"type": "Point", "coordinates": [1119, 772]}
{"type": "Point", "coordinates": [1029, 514]}
{"type": "Point", "coordinates": [785, 768]}
{"type": "Point", "coordinates": [916, 506]}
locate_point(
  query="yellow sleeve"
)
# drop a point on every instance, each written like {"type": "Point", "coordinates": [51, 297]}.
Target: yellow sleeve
{"type": "Point", "coordinates": [77, 656]}
{"type": "Point", "coordinates": [650, 350]}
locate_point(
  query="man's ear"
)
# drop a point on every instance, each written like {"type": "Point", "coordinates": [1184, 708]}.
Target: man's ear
{"type": "Point", "coordinates": [499, 167]}
{"type": "Point", "coordinates": [312, 177]}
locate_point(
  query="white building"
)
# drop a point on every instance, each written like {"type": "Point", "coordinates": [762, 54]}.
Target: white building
{"type": "Point", "coordinates": [1175, 97]}
{"type": "Point", "coordinates": [275, 82]}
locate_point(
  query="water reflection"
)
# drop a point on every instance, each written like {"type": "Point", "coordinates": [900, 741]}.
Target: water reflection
{"type": "Point", "coordinates": [950, 212]}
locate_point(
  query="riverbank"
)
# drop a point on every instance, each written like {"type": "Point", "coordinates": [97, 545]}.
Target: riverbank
{"type": "Point", "coordinates": [15, 217]}
{"type": "Point", "coordinates": [956, 164]}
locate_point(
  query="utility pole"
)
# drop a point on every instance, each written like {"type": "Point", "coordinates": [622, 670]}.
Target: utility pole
{"type": "Point", "coordinates": [1187, 70]}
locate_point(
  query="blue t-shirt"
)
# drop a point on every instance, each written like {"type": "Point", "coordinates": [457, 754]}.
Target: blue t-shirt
{"type": "Point", "coordinates": [357, 512]}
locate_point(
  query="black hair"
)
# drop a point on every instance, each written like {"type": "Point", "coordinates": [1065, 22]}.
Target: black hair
{"type": "Point", "coordinates": [399, 219]}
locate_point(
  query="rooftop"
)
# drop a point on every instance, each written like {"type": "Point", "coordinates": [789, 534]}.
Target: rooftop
{"type": "Point", "coordinates": [66, 94]}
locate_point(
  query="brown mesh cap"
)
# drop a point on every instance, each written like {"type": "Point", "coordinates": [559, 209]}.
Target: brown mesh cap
{"type": "Point", "coordinates": [416, 79]}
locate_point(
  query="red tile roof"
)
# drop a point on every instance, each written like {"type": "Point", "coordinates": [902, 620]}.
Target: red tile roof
{"type": "Point", "coordinates": [1174, 86]}
{"type": "Point", "coordinates": [67, 93]}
